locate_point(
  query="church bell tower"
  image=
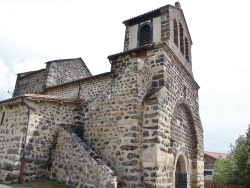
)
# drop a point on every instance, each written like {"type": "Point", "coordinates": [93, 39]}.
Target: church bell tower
{"type": "Point", "coordinates": [172, 133]}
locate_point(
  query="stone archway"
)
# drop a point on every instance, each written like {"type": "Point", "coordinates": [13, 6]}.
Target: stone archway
{"type": "Point", "coordinates": [181, 173]}
{"type": "Point", "coordinates": [184, 135]}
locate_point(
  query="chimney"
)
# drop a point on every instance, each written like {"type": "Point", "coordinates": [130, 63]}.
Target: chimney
{"type": "Point", "coordinates": [178, 5]}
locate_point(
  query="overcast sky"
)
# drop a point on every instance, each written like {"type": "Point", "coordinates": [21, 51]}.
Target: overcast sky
{"type": "Point", "coordinates": [33, 32]}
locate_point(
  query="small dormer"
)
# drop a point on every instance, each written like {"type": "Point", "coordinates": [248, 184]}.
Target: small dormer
{"type": "Point", "coordinates": [165, 24]}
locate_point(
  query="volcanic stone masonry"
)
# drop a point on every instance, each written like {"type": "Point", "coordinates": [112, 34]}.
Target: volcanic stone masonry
{"type": "Point", "coordinates": [135, 126]}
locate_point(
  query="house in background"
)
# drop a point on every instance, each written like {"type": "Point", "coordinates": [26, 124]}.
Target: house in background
{"type": "Point", "coordinates": [209, 160]}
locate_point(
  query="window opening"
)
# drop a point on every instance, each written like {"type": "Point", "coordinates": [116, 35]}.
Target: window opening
{"type": "Point", "coordinates": [175, 33]}
{"type": "Point", "coordinates": [145, 35]}
{"type": "Point", "coordinates": [184, 92]}
{"type": "Point", "coordinates": [186, 49]}
{"type": "Point", "coordinates": [2, 118]}
{"type": "Point", "coordinates": [181, 39]}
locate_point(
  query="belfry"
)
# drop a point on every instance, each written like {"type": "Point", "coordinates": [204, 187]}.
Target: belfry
{"type": "Point", "coordinates": [135, 126]}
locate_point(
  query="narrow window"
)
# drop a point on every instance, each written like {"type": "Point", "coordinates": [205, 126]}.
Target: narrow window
{"type": "Point", "coordinates": [186, 49]}
{"type": "Point", "coordinates": [184, 92]}
{"type": "Point", "coordinates": [2, 118]}
{"type": "Point", "coordinates": [181, 39]}
{"type": "Point", "coordinates": [175, 33]}
{"type": "Point", "coordinates": [145, 35]}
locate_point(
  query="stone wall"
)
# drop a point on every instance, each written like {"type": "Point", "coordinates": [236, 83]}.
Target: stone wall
{"type": "Point", "coordinates": [56, 73]}
{"type": "Point", "coordinates": [88, 88]}
{"type": "Point", "coordinates": [30, 83]}
{"type": "Point", "coordinates": [113, 123]}
{"type": "Point", "coordinates": [11, 134]}
{"type": "Point", "coordinates": [180, 89]}
{"type": "Point", "coordinates": [177, 14]}
{"type": "Point", "coordinates": [66, 70]}
{"type": "Point", "coordinates": [157, 160]}
{"type": "Point", "coordinates": [76, 164]}
{"type": "Point", "coordinates": [171, 124]}
{"type": "Point", "coordinates": [183, 90]}
{"type": "Point", "coordinates": [44, 118]}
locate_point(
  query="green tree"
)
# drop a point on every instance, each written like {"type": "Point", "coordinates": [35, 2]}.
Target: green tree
{"type": "Point", "coordinates": [224, 171]}
{"type": "Point", "coordinates": [241, 153]}
{"type": "Point", "coordinates": [235, 169]}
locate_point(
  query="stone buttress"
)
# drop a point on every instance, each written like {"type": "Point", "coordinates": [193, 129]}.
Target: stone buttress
{"type": "Point", "coordinates": [139, 124]}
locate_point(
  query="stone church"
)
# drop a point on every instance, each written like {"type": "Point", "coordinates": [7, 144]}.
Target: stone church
{"type": "Point", "coordinates": [135, 126]}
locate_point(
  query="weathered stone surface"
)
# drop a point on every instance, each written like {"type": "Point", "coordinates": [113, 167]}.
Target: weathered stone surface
{"type": "Point", "coordinates": [130, 178]}
{"type": "Point", "coordinates": [11, 177]}
{"type": "Point", "coordinates": [11, 151]}
{"type": "Point", "coordinates": [8, 166]}
{"type": "Point", "coordinates": [138, 120]}
{"type": "Point", "coordinates": [130, 163]}
{"type": "Point", "coordinates": [84, 165]}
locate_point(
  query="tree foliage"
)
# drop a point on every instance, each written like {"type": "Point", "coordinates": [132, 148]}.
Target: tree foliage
{"type": "Point", "coordinates": [235, 169]}
{"type": "Point", "coordinates": [224, 171]}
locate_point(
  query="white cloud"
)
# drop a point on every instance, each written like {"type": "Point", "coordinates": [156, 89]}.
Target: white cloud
{"type": "Point", "coordinates": [8, 74]}
{"type": "Point", "coordinates": [19, 66]}
{"type": "Point", "coordinates": [6, 80]}
{"type": "Point", "coordinates": [76, 28]}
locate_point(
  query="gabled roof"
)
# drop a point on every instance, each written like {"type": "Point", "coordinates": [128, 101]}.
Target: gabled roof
{"type": "Point", "coordinates": [23, 74]}
{"type": "Point", "coordinates": [61, 60]}
{"type": "Point", "coordinates": [52, 98]}
{"type": "Point", "coordinates": [79, 80]}
{"type": "Point", "coordinates": [152, 14]}
{"type": "Point", "coordinates": [215, 155]}
{"type": "Point", "coordinates": [144, 47]}
{"type": "Point", "coordinates": [142, 17]}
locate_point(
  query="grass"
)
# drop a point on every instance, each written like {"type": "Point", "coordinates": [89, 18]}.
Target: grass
{"type": "Point", "coordinates": [42, 184]}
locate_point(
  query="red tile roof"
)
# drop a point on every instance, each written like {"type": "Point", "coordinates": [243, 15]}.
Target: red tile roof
{"type": "Point", "coordinates": [54, 98]}
{"type": "Point", "coordinates": [44, 98]}
{"type": "Point", "coordinates": [215, 155]}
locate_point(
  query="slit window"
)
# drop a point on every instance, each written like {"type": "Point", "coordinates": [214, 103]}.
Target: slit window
{"type": "Point", "coordinates": [181, 39]}
{"type": "Point", "coordinates": [186, 49]}
{"type": "Point", "coordinates": [184, 92]}
{"type": "Point", "coordinates": [145, 35]}
{"type": "Point", "coordinates": [175, 33]}
{"type": "Point", "coordinates": [2, 119]}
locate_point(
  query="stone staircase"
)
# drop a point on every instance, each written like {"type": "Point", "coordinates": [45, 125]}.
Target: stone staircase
{"type": "Point", "coordinates": [75, 163]}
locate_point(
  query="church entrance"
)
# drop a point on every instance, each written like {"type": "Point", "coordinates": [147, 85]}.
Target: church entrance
{"type": "Point", "coordinates": [181, 173]}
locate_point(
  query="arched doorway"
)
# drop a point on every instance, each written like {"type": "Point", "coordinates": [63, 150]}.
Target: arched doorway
{"type": "Point", "coordinates": [180, 173]}
{"type": "Point", "coordinates": [184, 135]}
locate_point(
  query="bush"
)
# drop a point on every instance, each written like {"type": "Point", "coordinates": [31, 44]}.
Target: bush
{"type": "Point", "coordinates": [235, 169]}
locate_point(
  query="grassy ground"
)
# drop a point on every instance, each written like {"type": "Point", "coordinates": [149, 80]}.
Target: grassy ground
{"type": "Point", "coordinates": [37, 184]}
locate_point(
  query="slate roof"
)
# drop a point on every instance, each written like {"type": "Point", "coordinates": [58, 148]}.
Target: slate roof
{"type": "Point", "coordinates": [79, 80]}
{"type": "Point", "coordinates": [62, 60]}
{"type": "Point", "coordinates": [23, 74]}
{"type": "Point", "coordinates": [151, 14]}
{"type": "Point", "coordinates": [142, 17]}
{"type": "Point", "coordinates": [144, 47]}
{"type": "Point", "coordinates": [215, 155]}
